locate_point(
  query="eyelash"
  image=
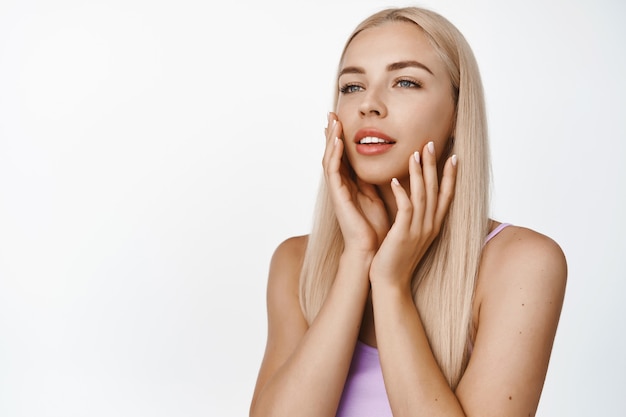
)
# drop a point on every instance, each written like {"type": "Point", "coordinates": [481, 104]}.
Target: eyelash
{"type": "Point", "coordinates": [352, 88]}
{"type": "Point", "coordinates": [414, 84]}
{"type": "Point", "coordinates": [347, 89]}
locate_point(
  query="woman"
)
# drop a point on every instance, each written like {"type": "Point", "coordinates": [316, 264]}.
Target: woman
{"type": "Point", "coordinates": [406, 299]}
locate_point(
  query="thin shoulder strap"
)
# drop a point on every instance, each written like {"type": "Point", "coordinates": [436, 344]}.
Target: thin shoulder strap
{"type": "Point", "coordinates": [495, 231]}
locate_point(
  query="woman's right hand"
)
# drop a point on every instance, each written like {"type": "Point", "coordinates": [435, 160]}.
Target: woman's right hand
{"type": "Point", "coordinates": [359, 209]}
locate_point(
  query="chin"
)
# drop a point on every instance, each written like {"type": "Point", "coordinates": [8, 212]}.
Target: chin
{"type": "Point", "coordinates": [376, 177]}
{"type": "Point", "coordinates": [380, 174]}
{"type": "Point", "coordinates": [379, 170]}
{"type": "Point", "coordinates": [377, 181]}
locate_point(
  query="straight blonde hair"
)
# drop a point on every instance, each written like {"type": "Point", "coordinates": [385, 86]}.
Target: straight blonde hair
{"type": "Point", "coordinates": [444, 281]}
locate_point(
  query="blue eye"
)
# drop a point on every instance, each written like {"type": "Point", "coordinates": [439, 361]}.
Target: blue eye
{"type": "Point", "coordinates": [350, 88]}
{"type": "Point", "coordinates": [408, 84]}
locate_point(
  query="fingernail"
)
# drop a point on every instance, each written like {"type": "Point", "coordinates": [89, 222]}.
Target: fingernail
{"type": "Point", "coordinates": [336, 140]}
{"type": "Point", "coordinates": [431, 147]}
{"type": "Point", "coordinates": [416, 155]}
{"type": "Point", "coordinates": [334, 123]}
{"type": "Point", "coordinates": [395, 181]}
{"type": "Point", "coordinates": [454, 161]}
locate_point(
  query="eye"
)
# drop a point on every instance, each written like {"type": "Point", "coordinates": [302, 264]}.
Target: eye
{"type": "Point", "coordinates": [405, 83]}
{"type": "Point", "coordinates": [350, 88]}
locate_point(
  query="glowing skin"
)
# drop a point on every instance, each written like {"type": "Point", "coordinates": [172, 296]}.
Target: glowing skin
{"type": "Point", "coordinates": [402, 94]}
{"type": "Point", "coordinates": [394, 117]}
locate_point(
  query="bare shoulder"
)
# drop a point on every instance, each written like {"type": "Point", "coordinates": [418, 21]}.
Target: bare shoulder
{"type": "Point", "coordinates": [287, 260]}
{"type": "Point", "coordinates": [283, 303]}
{"type": "Point", "coordinates": [518, 255]}
{"type": "Point", "coordinates": [285, 322]}
{"type": "Point", "coordinates": [517, 305]}
{"type": "Point", "coordinates": [291, 249]}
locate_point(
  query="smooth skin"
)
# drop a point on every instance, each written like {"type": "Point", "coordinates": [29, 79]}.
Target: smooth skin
{"type": "Point", "coordinates": [387, 227]}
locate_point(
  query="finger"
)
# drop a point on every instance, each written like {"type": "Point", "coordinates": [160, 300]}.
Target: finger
{"type": "Point", "coordinates": [330, 135]}
{"type": "Point", "coordinates": [331, 138]}
{"type": "Point", "coordinates": [332, 123]}
{"type": "Point", "coordinates": [340, 188]}
{"type": "Point", "coordinates": [431, 183]}
{"type": "Point", "coordinates": [447, 189]}
{"type": "Point", "coordinates": [405, 208]}
{"type": "Point", "coordinates": [328, 116]}
{"type": "Point", "coordinates": [418, 193]}
{"type": "Point", "coordinates": [333, 163]}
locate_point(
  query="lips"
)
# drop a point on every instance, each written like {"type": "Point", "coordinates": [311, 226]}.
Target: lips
{"type": "Point", "coordinates": [372, 142]}
{"type": "Point", "coordinates": [365, 136]}
{"type": "Point", "coordinates": [371, 139]}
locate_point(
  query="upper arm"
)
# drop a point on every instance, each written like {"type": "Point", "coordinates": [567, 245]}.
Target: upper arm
{"type": "Point", "coordinates": [286, 323]}
{"type": "Point", "coordinates": [520, 293]}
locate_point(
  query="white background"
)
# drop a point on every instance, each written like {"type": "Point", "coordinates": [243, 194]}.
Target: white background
{"type": "Point", "coordinates": [154, 153]}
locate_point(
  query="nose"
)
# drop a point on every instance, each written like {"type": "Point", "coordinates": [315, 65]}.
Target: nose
{"type": "Point", "coordinates": [373, 104]}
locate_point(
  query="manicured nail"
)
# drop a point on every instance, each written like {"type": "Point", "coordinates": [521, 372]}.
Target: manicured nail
{"type": "Point", "coordinates": [416, 155]}
{"type": "Point", "coordinates": [431, 147]}
{"type": "Point", "coordinates": [395, 181]}
{"type": "Point", "coordinates": [454, 161]}
{"type": "Point", "coordinates": [334, 123]}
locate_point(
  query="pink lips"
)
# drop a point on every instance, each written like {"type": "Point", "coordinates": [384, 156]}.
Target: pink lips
{"type": "Point", "coordinates": [381, 143]}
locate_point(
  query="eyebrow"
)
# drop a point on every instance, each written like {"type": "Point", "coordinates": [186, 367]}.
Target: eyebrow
{"type": "Point", "coordinates": [406, 64]}
{"type": "Point", "coordinates": [391, 67]}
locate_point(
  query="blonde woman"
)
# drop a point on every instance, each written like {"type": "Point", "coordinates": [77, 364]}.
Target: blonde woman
{"type": "Point", "coordinates": [406, 299]}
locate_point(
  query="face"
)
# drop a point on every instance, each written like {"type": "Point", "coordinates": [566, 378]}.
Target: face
{"type": "Point", "coordinates": [395, 93]}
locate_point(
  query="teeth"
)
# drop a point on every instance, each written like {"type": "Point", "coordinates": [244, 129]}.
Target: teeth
{"type": "Point", "coordinates": [371, 139]}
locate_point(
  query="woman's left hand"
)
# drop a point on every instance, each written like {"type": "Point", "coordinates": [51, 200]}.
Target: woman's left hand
{"type": "Point", "coordinates": [418, 219]}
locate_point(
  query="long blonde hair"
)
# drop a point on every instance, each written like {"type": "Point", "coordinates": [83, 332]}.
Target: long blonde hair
{"type": "Point", "coordinates": [444, 281]}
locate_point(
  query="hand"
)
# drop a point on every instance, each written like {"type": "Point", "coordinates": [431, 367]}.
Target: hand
{"type": "Point", "coordinates": [359, 209]}
{"type": "Point", "coordinates": [418, 220]}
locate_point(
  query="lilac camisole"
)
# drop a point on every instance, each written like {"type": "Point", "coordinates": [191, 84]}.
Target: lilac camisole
{"type": "Point", "coordinates": [364, 393]}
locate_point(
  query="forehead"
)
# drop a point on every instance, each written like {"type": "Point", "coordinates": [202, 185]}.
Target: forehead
{"type": "Point", "coordinates": [391, 42]}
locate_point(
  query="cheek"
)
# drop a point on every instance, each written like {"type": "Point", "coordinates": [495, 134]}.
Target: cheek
{"type": "Point", "coordinates": [342, 106]}
{"type": "Point", "coordinates": [436, 120]}
{"type": "Point", "coordinates": [347, 124]}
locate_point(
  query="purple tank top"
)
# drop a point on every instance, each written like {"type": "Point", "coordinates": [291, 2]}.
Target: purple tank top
{"type": "Point", "coordinates": [364, 394]}
{"type": "Point", "coordinates": [495, 231]}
